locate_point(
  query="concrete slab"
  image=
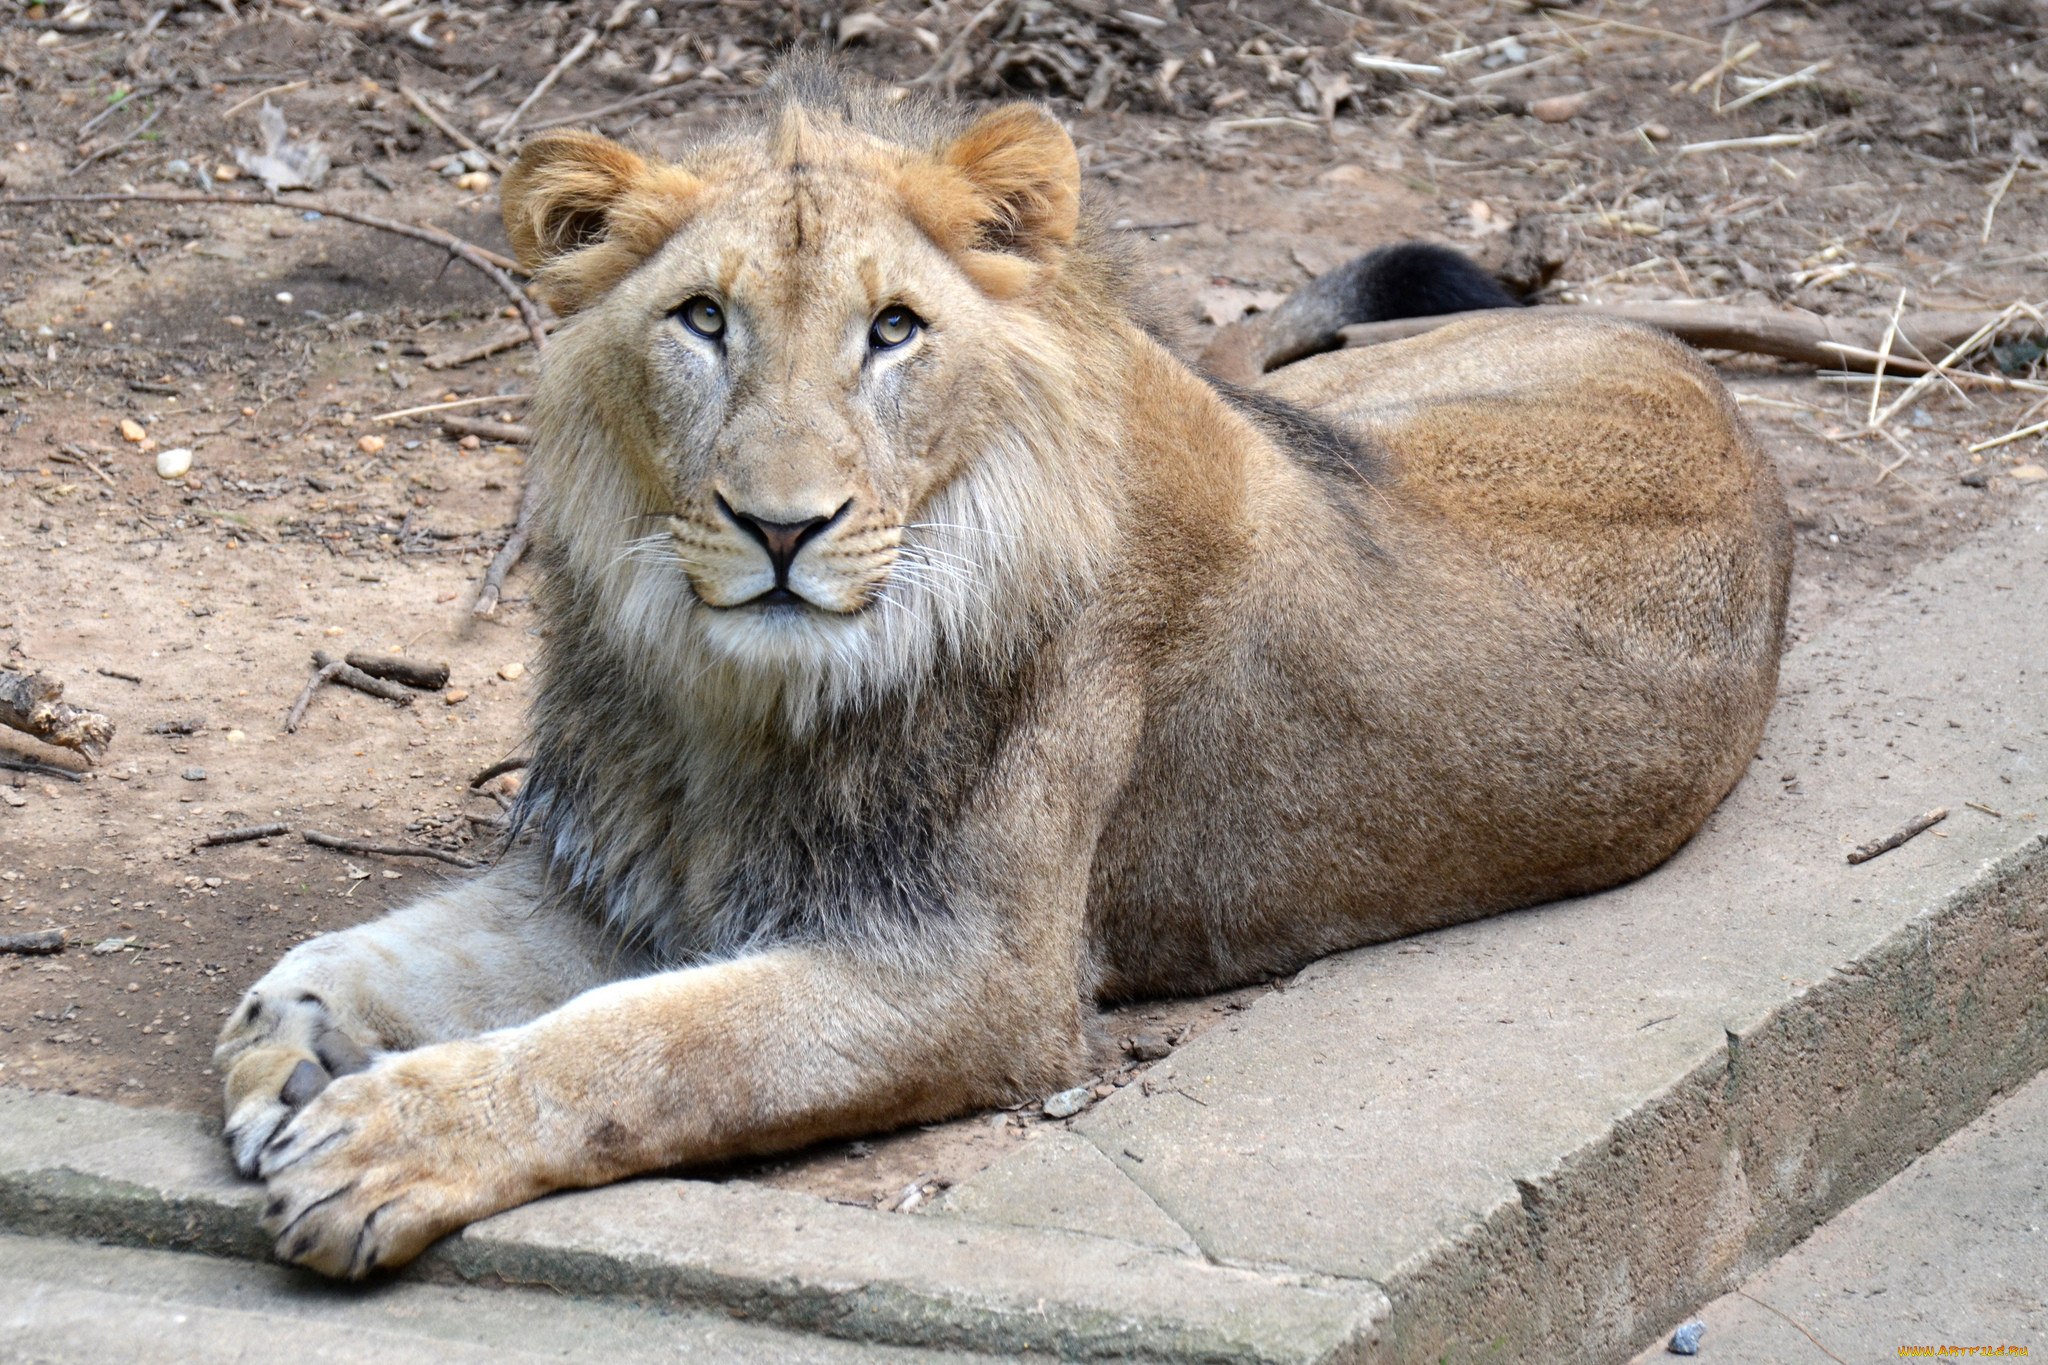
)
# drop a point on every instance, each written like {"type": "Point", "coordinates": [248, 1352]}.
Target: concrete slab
{"type": "Point", "coordinates": [1060, 1180]}
{"type": "Point", "coordinates": [1539, 1137]}
{"type": "Point", "coordinates": [63, 1302]}
{"type": "Point", "coordinates": [1951, 1252]}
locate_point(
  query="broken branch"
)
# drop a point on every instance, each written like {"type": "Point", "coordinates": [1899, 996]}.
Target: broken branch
{"type": "Point", "coordinates": [340, 845]}
{"type": "Point", "coordinates": [245, 834]}
{"type": "Point", "coordinates": [40, 943]}
{"type": "Point", "coordinates": [508, 554]}
{"type": "Point", "coordinates": [412, 672]}
{"type": "Point", "coordinates": [33, 704]}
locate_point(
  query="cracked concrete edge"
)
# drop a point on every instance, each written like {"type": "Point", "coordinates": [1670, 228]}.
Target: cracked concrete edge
{"type": "Point", "coordinates": [89, 1170]}
{"type": "Point", "coordinates": [1809, 1106]}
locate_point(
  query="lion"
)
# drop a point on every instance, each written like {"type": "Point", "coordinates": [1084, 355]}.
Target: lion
{"type": "Point", "coordinates": [931, 658]}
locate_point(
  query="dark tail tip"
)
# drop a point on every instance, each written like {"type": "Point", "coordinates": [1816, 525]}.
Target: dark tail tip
{"type": "Point", "coordinates": [1409, 280]}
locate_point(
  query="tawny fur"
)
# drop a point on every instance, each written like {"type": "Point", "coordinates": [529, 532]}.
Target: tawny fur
{"type": "Point", "coordinates": [1107, 682]}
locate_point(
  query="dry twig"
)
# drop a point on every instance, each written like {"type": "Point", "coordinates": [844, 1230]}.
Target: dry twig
{"type": "Point", "coordinates": [503, 132]}
{"type": "Point", "coordinates": [246, 834]}
{"type": "Point", "coordinates": [449, 130]}
{"type": "Point", "coordinates": [511, 433]}
{"type": "Point", "coordinates": [415, 673]}
{"type": "Point", "coordinates": [1863, 853]}
{"type": "Point", "coordinates": [341, 845]}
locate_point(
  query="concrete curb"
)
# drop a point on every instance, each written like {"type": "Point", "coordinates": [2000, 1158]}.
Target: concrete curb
{"type": "Point", "coordinates": [1538, 1137]}
{"type": "Point", "coordinates": [1819, 1103]}
{"type": "Point", "coordinates": [94, 1171]}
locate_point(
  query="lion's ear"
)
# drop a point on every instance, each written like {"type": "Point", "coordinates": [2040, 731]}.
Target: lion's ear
{"type": "Point", "coordinates": [581, 211]}
{"type": "Point", "coordinates": [1026, 176]}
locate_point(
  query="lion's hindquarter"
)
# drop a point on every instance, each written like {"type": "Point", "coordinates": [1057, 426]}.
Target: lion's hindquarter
{"type": "Point", "coordinates": [1525, 659]}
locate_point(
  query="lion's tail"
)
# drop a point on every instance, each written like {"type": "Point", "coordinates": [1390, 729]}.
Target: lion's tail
{"type": "Point", "coordinates": [1410, 280]}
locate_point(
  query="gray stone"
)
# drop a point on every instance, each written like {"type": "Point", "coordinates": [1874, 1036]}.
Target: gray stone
{"type": "Point", "coordinates": [1067, 1103]}
{"type": "Point", "coordinates": [1058, 1180]}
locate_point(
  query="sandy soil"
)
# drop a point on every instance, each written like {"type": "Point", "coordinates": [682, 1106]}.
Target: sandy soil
{"type": "Point", "coordinates": [267, 340]}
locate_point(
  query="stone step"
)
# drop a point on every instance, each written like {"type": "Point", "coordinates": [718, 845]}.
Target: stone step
{"type": "Point", "coordinates": [67, 1302]}
{"type": "Point", "coordinates": [1952, 1251]}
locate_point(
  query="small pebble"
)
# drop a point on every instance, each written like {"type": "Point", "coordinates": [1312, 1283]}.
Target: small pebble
{"type": "Point", "coordinates": [1686, 1340]}
{"type": "Point", "coordinates": [1150, 1046]}
{"type": "Point", "coordinates": [284, 297]}
{"type": "Point", "coordinates": [455, 696]}
{"type": "Point", "coordinates": [1068, 1103]}
{"type": "Point", "coordinates": [473, 180]}
{"type": "Point", "coordinates": [194, 774]}
{"type": "Point", "coordinates": [472, 159]}
{"type": "Point", "coordinates": [132, 432]}
{"type": "Point", "coordinates": [174, 463]}
{"type": "Point", "coordinates": [512, 672]}
{"type": "Point", "coordinates": [371, 445]}
{"type": "Point", "coordinates": [1559, 108]}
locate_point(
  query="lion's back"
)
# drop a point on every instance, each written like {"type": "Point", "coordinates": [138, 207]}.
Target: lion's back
{"type": "Point", "coordinates": [1597, 459]}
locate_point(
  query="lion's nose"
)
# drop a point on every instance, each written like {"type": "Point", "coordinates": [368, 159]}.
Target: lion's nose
{"type": "Point", "coordinates": [783, 540]}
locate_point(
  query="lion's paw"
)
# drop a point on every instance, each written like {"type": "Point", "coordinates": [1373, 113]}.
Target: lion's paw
{"type": "Point", "coordinates": [277, 1055]}
{"type": "Point", "coordinates": [379, 1165]}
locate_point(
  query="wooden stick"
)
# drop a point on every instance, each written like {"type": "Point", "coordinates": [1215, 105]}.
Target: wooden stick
{"type": "Point", "coordinates": [1808, 337]}
{"type": "Point", "coordinates": [348, 675]}
{"type": "Point", "coordinates": [319, 840]}
{"type": "Point", "coordinates": [499, 769]}
{"type": "Point", "coordinates": [606, 110]}
{"type": "Point", "coordinates": [449, 130]}
{"type": "Point", "coordinates": [512, 433]}
{"type": "Point", "coordinates": [503, 132]}
{"type": "Point", "coordinates": [29, 765]}
{"type": "Point", "coordinates": [1912, 830]}
{"type": "Point", "coordinates": [38, 944]}
{"type": "Point", "coordinates": [508, 554]}
{"type": "Point", "coordinates": [448, 360]}
{"type": "Point", "coordinates": [245, 834]}
{"type": "Point", "coordinates": [412, 672]}
{"type": "Point", "coordinates": [321, 676]}
{"type": "Point", "coordinates": [2038, 429]}
{"type": "Point", "coordinates": [483, 401]}
{"type": "Point", "coordinates": [33, 703]}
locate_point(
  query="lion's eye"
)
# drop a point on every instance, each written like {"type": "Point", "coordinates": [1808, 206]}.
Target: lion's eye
{"type": "Point", "coordinates": [703, 316]}
{"type": "Point", "coordinates": [893, 326]}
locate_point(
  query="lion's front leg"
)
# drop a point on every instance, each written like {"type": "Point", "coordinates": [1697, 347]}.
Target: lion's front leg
{"type": "Point", "coordinates": [480, 955]}
{"type": "Point", "coordinates": [763, 1053]}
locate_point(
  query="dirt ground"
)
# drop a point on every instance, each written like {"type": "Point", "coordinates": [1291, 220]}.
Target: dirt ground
{"type": "Point", "coordinates": [1244, 140]}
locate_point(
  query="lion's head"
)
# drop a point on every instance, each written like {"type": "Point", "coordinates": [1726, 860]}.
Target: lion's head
{"type": "Point", "coordinates": [829, 405]}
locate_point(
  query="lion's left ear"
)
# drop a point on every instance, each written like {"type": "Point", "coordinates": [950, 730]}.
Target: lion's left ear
{"type": "Point", "coordinates": [1024, 170]}
{"type": "Point", "coordinates": [1003, 197]}
{"type": "Point", "coordinates": [581, 211]}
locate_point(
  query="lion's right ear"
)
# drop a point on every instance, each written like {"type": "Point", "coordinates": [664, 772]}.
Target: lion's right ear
{"type": "Point", "coordinates": [581, 211]}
